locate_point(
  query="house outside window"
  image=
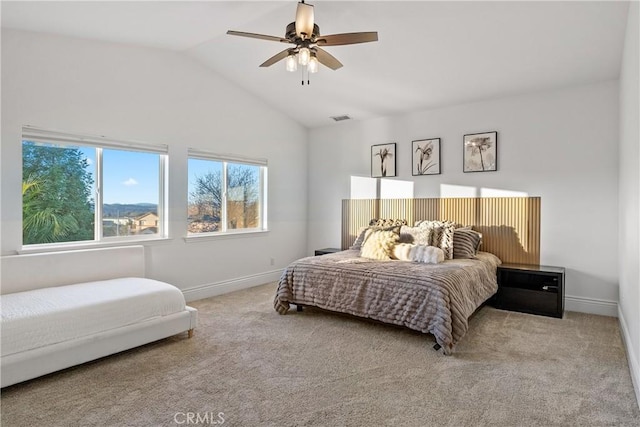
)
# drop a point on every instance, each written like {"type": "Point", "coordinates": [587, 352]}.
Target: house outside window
{"type": "Point", "coordinates": [226, 194]}
{"type": "Point", "coordinates": [82, 189]}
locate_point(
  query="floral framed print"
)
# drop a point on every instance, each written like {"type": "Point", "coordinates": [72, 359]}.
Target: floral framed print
{"type": "Point", "coordinates": [383, 160]}
{"type": "Point", "coordinates": [425, 157]}
{"type": "Point", "coordinates": [480, 152]}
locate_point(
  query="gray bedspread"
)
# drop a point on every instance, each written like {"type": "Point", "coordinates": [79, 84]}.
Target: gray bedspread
{"type": "Point", "coordinates": [434, 298]}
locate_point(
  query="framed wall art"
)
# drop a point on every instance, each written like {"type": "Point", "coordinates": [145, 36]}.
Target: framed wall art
{"type": "Point", "coordinates": [425, 157]}
{"type": "Point", "coordinates": [480, 152]}
{"type": "Point", "coordinates": [383, 160]}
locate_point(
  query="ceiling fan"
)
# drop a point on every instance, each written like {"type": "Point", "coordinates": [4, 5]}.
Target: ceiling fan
{"type": "Point", "coordinates": [304, 34]}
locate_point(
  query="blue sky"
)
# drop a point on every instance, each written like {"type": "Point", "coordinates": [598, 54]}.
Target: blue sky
{"type": "Point", "coordinates": [132, 177]}
{"type": "Point", "coordinates": [128, 176]}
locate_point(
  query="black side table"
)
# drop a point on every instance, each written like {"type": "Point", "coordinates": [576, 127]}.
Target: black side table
{"type": "Point", "coordinates": [535, 289]}
{"type": "Point", "coordinates": [326, 251]}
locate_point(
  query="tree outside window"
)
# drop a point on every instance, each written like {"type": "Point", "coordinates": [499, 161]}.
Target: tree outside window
{"type": "Point", "coordinates": [218, 205]}
{"type": "Point", "coordinates": [64, 201]}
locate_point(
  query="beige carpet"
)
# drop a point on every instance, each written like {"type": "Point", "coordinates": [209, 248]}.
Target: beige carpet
{"type": "Point", "coordinates": [314, 368]}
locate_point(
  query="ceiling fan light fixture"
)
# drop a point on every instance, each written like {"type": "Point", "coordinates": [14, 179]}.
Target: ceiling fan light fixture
{"type": "Point", "coordinates": [291, 64]}
{"type": "Point", "coordinates": [304, 20]}
{"type": "Point", "coordinates": [304, 55]}
{"type": "Point", "coordinates": [307, 50]}
{"type": "Point", "coordinates": [312, 67]}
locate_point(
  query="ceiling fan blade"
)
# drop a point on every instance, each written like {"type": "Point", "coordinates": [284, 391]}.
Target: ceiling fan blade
{"type": "Point", "coordinates": [304, 20]}
{"type": "Point", "coordinates": [326, 59]}
{"type": "Point", "coordinates": [257, 36]}
{"type": "Point", "coordinates": [275, 58]}
{"type": "Point", "coordinates": [347, 38]}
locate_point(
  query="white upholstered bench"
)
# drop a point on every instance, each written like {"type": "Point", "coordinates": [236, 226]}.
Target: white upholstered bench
{"type": "Point", "coordinates": [48, 328]}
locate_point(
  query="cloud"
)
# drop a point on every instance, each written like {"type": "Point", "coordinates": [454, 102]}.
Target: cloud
{"type": "Point", "coordinates": [130, 182]}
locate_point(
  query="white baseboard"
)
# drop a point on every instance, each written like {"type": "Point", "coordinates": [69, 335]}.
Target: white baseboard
{"type": "Point", "coordinates": [226, 286]}
{"type": "Point", "coordinates": [591, 306]}
{"type": "Point", "coordinates": [634, 367]}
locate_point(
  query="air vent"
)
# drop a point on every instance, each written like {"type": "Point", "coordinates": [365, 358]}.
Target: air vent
{"type": "Point", "coordinates": [340, 118]}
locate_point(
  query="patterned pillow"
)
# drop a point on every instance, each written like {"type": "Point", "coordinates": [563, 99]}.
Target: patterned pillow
{"type": "Point", "coordinates": [479, 245]}
{"type": "Point", "coordinates": [357, 244]}
{"type": "Point", "coordinates": [465, 243]}
{"type": "Point", "coordinates": [379, 244]}
{"type": "Point", "coordinates": [415, 235]}
{"type": "Point", "coordinates": [441, 235]}
{"type": "Point", "coordinates": [470, 227]}
{"type": "Point", "coordinates": [387, 222]}
{"type": "Point", "coordinates": [426, 222]}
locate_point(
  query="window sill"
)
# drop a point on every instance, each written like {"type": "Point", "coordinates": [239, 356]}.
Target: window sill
{"type": "Point", "coordinates": [76, 246]}
{"type": "Point", "coordinates": [205, 237]}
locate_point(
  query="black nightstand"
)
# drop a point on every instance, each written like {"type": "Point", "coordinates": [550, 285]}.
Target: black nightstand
{"type": "Point", "coordinates": [535, 289]}
{"type": "Point", "coordinates": [326, 251]}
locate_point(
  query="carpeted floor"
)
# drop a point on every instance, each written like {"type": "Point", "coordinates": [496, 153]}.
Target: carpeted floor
{"type": "Point", "coordinates": [258, 368]}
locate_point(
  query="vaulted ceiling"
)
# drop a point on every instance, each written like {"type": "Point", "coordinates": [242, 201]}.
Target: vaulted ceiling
{"type": "Point", "coordinates": [429, 54]}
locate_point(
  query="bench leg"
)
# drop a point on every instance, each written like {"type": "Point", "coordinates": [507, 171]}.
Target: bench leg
{"type": "Point", "coordinates": [190, 333]}
{"type": "Point", "coordinates": [298, 307]}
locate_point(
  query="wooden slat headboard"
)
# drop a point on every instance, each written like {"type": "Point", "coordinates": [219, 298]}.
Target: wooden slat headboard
{"type": "Point", "coordinates": [510, 226]}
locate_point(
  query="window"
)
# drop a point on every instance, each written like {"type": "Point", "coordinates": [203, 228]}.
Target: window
{"type": "Point", "coordinates": [90, 189]}
{"type": "Point", "coordinates": [226, 194]}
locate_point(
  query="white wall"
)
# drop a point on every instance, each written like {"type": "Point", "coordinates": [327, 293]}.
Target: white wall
{"type": "Point", "coordinates": [560, 145]}
{"type": "Point", "coordinates": [630, 194]}
{"type": "Point", "coordinates": [156, 96]}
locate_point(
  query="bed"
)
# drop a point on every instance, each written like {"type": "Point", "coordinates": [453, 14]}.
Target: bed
{"type": "Point", "coordinates": [436, 299]}
{"type": "Point", "coordinates": [430, 298]}
{"type": "Point", "coordinates": [48, 325]}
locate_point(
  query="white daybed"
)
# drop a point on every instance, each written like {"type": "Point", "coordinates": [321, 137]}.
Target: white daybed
{"type": "Point", "coordinates": [48, 325]}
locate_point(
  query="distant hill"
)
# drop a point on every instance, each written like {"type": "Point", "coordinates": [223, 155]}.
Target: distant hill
{"type": "Point", "coordinates": [113, 210]}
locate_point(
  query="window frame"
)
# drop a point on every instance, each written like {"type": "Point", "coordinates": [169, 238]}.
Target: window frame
{"type": "Point", "coordinates": [225, 159]}
{"type": "Point", "coordinates": [100, 143]}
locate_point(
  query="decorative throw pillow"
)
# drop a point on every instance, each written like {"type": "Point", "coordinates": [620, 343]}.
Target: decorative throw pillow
{"type": "Point", "coordinates": [387, 222]}
{"type": "Point", "coordinates": [479, 245]}
{"type": "Point", "coordinates": [470, 227]}
{"type": "Point", "coordinates": [357, 244]}
{"type": "Point", "coordinates": [415, 235]}
{"type": "Point", "coordinates": [465, 243]}
{"type": "Point", "coordinates": [441, 235]}
{"type": "Point", "coordinates": [379, 244]}
{"type": "Point", "coordinates": [418, 253]}
{"type": "Point", "coordinates": [426, 222]}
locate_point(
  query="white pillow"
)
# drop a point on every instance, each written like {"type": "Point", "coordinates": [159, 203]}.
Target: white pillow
{"type": "Point", "coordinates": [418, 253]}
